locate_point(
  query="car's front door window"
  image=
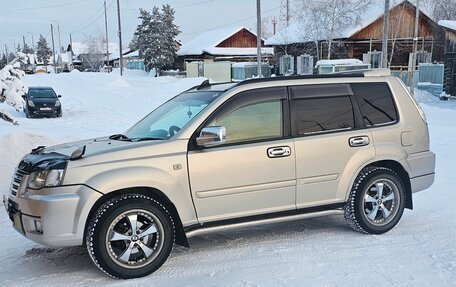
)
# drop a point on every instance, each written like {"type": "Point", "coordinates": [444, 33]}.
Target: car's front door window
{"type": "Point", "coordinates": [252, 122]}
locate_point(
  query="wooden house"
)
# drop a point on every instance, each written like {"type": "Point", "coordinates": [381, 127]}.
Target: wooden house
{"type": "Point", "coordinates": [366, 37]}
{"type": "Point", "coordinates": [449, 84]}
{"type": "Point", "coordinates": [230, 44]}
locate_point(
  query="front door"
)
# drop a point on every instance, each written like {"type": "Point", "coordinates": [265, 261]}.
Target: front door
{"type": "Point", "coordinates": [254, 172]}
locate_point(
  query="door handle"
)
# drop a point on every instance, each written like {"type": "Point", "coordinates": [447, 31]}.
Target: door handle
{"type": "Point", "coordinates": [279, 151]}
{"type": "Point", "coordinates": [359, 141]}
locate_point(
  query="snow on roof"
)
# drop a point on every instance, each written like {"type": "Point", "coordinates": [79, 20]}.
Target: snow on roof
{"type": "Point", "coordinates": [81, 48]}
{"type": "Point", "coordinates": [238, 51]}
{"type": "Point", "coordinates": [339, 62]}
{"type": "Point", "coordinates": [207, 42]}
{"type": "Point", "coordinates": [296, 34]}
{"type": "Point", "coordinates": [449, 24]}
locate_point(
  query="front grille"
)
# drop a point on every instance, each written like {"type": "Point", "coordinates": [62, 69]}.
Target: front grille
{"type": "Point", "coordinates": [16, 182]}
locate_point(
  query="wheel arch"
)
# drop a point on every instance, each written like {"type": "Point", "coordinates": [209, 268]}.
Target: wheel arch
{"type": "Point", "coordinates": [402, 172]}
{"type": "Point", "coordinates": [180, 237]}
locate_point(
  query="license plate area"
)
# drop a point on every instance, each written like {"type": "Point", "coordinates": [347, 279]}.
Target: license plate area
{"type": "Point", "coordinates": [45, 109]}
{"type": "Point", "coordinates": [14, 214]}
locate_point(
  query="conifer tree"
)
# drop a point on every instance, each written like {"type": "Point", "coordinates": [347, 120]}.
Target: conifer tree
{"type": "Point", "coordinates": [155, 38]}
{"type": "Point", "coordinates": [42, 50]}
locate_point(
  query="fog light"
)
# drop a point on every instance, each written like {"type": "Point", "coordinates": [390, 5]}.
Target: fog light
{"type": "Point", "coordinates": [38, 226]}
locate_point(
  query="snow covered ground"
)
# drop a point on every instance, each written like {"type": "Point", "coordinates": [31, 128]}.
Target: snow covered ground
{"type": "Point", "coordinates": [420, 251]}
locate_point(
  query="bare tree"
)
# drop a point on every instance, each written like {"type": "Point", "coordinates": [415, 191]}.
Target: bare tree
{"type": "Point", "coordinates": [94, 51]}
{"type": "Point", "coordinates": [328, 19]}
{"type": "Point", "coordinates": [444, 10]}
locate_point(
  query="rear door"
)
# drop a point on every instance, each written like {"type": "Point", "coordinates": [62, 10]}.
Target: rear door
{"type": "Point", "coordinates": [330, 142]}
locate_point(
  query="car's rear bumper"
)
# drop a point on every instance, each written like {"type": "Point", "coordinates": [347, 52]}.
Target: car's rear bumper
{"type": "Point", "coordinates": [422, 170]}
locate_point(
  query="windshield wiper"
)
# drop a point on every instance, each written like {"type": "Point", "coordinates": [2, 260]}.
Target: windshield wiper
{"type": "Point", "coordinates": [120, 137]}
{"type": "Point", "coordinates": [145, 139]}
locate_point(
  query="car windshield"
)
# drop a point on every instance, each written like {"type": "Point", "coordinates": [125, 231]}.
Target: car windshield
{"type": "Point", "coordinates": [168, 119]}
{"type": "Point", "coordinates": [41, 93]}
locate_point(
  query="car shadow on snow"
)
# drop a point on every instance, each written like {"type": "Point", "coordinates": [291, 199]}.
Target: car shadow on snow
{"type": "Point", "coordinates": [44, 261]}
{"type": "Point", "coordinates": [318, 229]}
{"type": "Point", "coordinates": [74, 261]}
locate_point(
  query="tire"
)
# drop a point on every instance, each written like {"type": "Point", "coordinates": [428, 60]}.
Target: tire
{"type": "Point", "coordinates": [121, 254]}
{"type": "Point", "coordinates": [376, 202]}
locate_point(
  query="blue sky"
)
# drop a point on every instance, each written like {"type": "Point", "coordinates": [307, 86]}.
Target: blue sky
{"type": "Point", "coordinates": [84, 17]}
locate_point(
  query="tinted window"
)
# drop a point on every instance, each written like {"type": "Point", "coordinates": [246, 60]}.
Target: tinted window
{"type": "Point", "coordinates": [255, 121]}
{"type": "Point", "coordinates": [375, 102]}
{"type": "Point", "coordinates": [324, 114]}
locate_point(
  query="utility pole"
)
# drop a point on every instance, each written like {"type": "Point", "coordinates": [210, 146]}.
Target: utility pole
{"type": "Point", "coordinates": [285, 12]}
{"type": "Point", "coordinates": [274, 24]}
{"type": "Point", "coordinates": [415, 47]}
{"type": "Point", "coordinates": [385, 35]}
{"type": "Point", "coordinates": [120, 39]}
{"type": "Point", "coordinates": [258, 6]}
{"type": "Point", "coordinates": [23, 40]}
{"type": "Point", "coordinates": [107, 42]}
{"type": "Point", "coordinates": [7, 55]}
{"type": "Point", "coordinates": [53, 49]}
{"type": "Point", "coordinates": [71, 42]}
{"type": "Point", "coordinates": [33, 42]}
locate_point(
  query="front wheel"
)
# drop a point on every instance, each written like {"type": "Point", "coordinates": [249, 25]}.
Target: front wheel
{"type": "Point", "coordinates": [376, 201]}
{"type": "Point", "coordinates": [130, 236]}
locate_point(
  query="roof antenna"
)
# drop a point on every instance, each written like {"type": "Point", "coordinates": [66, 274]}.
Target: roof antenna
{"type": "Point", "coordinates": [203, 85]}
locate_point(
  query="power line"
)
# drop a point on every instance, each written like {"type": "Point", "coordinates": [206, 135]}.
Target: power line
{"type": "Point", "coordinates": [232, 23]}
{"type": "Point", "coordinates": [85, 26]}
{"type": "Point", "coordinates": [43, 7]}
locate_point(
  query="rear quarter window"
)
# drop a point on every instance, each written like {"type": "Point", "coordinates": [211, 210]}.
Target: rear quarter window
{"type": "Point", "coordinates": [376, 103]}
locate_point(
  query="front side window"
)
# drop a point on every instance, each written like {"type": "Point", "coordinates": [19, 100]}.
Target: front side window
{"type": "Point", "coordinates": [323, 114]}
{"type": "Point", "coordinates": [168, 119]}
{"type": "Point", "coordinates": [256, 121]}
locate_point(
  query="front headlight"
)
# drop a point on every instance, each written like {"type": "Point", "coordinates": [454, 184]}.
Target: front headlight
{"type": "Point", "coordinates": [45, 178]}
{"type": "Point", "coordinates": [30, 103]}
{"type": "Point", "coordinates": [57, 103]}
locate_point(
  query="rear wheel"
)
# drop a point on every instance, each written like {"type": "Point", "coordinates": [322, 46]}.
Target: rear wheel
{"type": "Point", "coordinates": [376, 201]}
{"type": "Point", "coordinates": [130, 236]}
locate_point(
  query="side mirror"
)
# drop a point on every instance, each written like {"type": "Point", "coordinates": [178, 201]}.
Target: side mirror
{"type": "Point", "coordinates": [59, 96]}
{"type": "Point", "coordinates": [211, 136]}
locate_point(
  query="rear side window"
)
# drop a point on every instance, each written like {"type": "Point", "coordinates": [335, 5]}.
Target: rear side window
{"type": "Point", "coordinates": [375, 102]}
{"type": "Point", "coordinates": [321, 108]}
{"type": "Point", "coordinates": [319, 115]}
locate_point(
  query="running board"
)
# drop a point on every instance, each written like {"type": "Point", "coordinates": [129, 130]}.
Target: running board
{"type": "Point", "coordinates": [211, 227]}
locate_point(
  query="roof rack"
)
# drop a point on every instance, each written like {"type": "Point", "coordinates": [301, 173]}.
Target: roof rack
{"type": "Point", "coordinates": [301, 77]}
{"type": "Point", "coordinates": [345, 74]}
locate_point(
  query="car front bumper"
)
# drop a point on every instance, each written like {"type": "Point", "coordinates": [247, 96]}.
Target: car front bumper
{"type": "Point", "coordinates": [45, 112]}
{"type": "Point", "coordinates": [56, 217]}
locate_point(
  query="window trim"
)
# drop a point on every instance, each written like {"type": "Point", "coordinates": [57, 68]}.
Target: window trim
{"type": "Point", "coordinates": [245, 98]}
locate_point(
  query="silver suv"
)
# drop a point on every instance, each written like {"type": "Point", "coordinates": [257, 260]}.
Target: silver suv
{"type": "Point", "coordinates": [229, 155]}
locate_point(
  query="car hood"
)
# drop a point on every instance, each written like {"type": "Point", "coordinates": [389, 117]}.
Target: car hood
{"type": "Point", "coordinates": [46, 157]}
